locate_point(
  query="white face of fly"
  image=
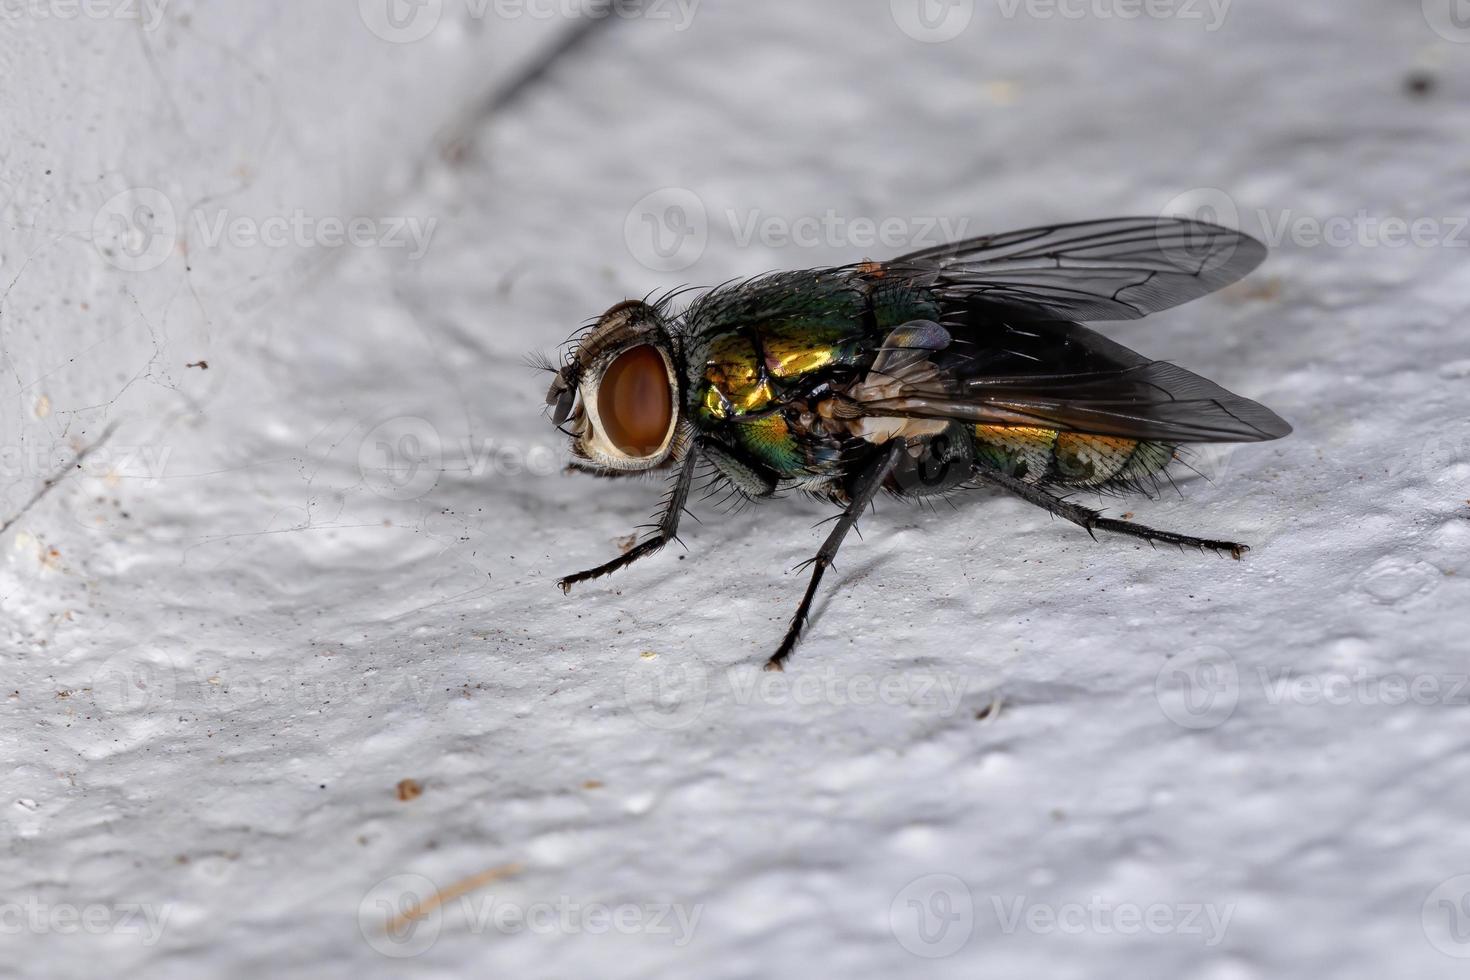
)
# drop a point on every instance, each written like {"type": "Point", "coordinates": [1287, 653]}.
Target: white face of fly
{"type": "Point", "coordinates": [619, 396]}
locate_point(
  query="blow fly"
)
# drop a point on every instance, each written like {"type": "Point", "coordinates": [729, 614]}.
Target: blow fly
{"type": "Point", "coordinates": [955, 367]}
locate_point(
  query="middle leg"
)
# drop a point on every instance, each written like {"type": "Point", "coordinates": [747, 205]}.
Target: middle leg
{"type": "Point", "coordinates": [869, 482]}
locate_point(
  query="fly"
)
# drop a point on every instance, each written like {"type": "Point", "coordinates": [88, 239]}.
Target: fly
{"type": "Point", "coordinates": [951, 368]}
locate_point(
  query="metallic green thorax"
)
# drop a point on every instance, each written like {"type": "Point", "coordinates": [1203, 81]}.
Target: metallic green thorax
{"type": "Point", "coordinates": [756, 350]}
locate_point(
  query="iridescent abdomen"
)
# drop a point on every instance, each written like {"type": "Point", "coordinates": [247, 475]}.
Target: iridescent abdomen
{"type": "Point", "coordinates": [1074, 459]}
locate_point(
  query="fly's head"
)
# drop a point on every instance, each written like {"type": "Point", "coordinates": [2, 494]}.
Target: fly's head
{"type": "Point", "coordinates": [618, 394]}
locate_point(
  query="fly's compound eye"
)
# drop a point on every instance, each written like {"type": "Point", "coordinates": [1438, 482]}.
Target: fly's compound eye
{"type": "Point", "coordinates": [635, 402]}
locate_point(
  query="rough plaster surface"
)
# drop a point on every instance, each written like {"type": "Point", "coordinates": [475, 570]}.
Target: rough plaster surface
{"type": "Point", "coordinates": [325, 564]}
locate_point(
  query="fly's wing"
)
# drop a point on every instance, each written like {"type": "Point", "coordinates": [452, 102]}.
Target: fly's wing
{"type": "Point", "coordinates": [1096, 386]}
{"type": "Point", "coordinates": [1119, 269]}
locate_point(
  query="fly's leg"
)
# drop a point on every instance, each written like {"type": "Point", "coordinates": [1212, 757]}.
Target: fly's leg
{"type": "Point", "coordinates": [1091, 520]}
{"type": "Point", "coordinates": [666, 531]}
{"type": "Point", "coordinates": [869, 481]}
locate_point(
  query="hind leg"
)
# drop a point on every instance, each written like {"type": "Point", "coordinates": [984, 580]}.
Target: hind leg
{"type": "Point", "coordinates": [1091, 520]}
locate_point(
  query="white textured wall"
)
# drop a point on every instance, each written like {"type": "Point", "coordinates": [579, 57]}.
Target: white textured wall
{"type": "Point", "coordinates": [328, 563]}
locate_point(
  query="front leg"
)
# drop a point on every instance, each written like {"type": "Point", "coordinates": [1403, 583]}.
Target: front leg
{"type": "Point", "coordinates": [667, 530]}
{"type": "Point", "coordinates": [869, 482]}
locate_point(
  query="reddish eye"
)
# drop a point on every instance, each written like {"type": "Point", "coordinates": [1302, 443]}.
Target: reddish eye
{"type": "Point", "coordinates": [636, 401]}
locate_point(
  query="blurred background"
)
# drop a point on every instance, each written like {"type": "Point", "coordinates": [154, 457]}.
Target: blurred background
{"type": "Point", "coordinates": [288, 687]}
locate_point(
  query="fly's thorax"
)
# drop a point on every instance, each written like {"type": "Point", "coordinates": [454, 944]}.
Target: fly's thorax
{"type": "Point", "coordinates": [620, 393]}
{"type": "Point", "coordinates": [754, 369]}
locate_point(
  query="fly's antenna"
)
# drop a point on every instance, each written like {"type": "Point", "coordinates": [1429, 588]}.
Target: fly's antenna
{"type": "Point", "coordinates": [541, 361]}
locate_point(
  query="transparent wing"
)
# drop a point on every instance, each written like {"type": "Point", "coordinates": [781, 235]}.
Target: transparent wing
{"type": "Point", "coordinates": [1089, 384]}
{"type": "Point", "coordinates": [1119, 269]}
